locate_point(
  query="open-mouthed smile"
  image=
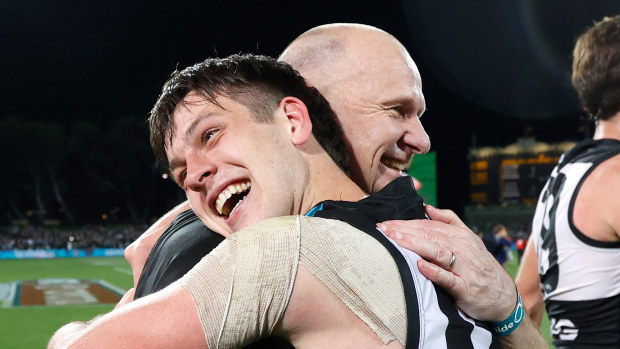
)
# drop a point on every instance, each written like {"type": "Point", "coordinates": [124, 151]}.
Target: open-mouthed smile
{"type": "Point", "coordinates": [231, 197]}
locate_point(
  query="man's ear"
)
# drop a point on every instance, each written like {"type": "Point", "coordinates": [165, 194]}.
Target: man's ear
{"type": "Point", "coordinates": [299, 119]}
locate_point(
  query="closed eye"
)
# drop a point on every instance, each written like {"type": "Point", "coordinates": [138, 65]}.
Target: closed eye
{"type": "Point", "coordinates": [397, 112]}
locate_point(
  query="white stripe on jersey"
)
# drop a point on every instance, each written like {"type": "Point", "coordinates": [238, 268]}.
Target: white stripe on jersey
{"type": "Point", "coordinates": [433, 321]}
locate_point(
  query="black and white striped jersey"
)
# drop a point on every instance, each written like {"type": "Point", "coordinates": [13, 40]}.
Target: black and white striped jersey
{"type": "Point", "coordinates": [580, 277]}
{"type": "Point", "coordinates": [434, 321]}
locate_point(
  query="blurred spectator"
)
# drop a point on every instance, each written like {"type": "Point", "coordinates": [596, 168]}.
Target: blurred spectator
{"type": "Point", "coordinates": [498, 242]}
{"type": "Point", "coordinates": [520, 243]}
{"type": "Point", "coordinates": [88, 237]}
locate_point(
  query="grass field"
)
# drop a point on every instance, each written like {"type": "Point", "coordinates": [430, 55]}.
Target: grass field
{"type": "Point", "coordinates": [31, 326]}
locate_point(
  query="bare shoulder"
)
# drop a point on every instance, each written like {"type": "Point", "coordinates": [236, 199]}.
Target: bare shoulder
{"type": "Point", "coordinates": [606, 179]}
{"type": "Point", "coordinates": [612, 165]}
{"type": "Point", "coordinates": [599, 197]}
{"type": "Point", "coordinates": [610, 192]}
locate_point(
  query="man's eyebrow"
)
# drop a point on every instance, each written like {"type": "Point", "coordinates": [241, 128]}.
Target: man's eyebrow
{"type": "Point", "coordinates": [174, 163]}
{"type": "Point", "coordinates": [192, 127]}
{"type": "Point", "coordinates": [406, 101]}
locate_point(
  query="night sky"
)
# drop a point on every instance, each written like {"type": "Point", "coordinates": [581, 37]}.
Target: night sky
{"type": "Point", "coordinates": [491, 72]}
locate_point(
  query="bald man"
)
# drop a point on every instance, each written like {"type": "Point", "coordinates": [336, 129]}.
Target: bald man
{"type": "Point", "coordinates": [381, 124]}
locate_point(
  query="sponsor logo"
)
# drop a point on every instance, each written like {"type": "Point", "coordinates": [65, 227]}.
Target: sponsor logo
{"type": "Point", "coordinates": [58, 292]}
{"type": "Point", "coordinates": [564, 329]}
{"type": "Point", "coordinates": [509, 324]}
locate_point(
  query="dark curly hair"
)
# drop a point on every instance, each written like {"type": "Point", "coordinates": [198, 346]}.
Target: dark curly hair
{"type": "Point", "coordinates": [596, 68]}
{"type": "Point", "coordinates": [259, 83]}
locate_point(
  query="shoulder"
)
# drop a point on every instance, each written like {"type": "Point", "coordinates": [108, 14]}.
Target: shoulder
{"type": "Point", "coordinates": [269, 231]}
{"type": "Point", "coordinates": [606, 180]}
{"type": "Point", "coordinates": [602, 190]}
{"type": "Point", "coordinates": [281, 227]}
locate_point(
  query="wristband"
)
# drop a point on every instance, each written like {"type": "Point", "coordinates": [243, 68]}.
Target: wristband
{"type": "Point", "coordinates": [504, 328]}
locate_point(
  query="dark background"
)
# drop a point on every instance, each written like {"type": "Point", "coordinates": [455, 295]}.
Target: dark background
{"type": "Point", "coordinates": [79, 77]}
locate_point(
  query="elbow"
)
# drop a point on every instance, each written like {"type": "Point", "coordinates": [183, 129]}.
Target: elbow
{"type": "Point", "coordinates": [67, 336]}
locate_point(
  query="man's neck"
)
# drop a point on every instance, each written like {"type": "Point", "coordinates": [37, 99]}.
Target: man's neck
{"type": "Point", "coordinates": [328, 182]}
{"type": "Point", "coordinates": [609, 128]}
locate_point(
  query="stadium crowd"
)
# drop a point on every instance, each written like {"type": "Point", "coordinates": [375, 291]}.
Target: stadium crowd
{"type": "Point", "coordinates": [87, 237]}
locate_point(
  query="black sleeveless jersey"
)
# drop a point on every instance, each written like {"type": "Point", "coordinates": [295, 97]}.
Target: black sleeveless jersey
{"type": "Point", "coordinates": [176, 251]}
{"type": "Point", "coordinates": [399, 200]}
{"type": "Point", "coordinates": [580, 277]}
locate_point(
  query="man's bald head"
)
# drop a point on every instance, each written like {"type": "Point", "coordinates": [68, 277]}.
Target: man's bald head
{"type": "Point", "coordinates": [328, 54]}
{"type": "Point", "coordinates": [374, 87]}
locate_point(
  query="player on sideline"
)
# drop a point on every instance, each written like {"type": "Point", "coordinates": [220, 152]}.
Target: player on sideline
{"type": "Point", "coordinates": [574, 250]}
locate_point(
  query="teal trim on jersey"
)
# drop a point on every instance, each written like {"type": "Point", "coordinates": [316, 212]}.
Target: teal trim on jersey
{"type": "Point", "coordinates": [314, 210]}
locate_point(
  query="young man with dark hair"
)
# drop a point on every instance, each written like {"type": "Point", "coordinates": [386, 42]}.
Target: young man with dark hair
{"type": "Point", "coordinates": [574, 250]}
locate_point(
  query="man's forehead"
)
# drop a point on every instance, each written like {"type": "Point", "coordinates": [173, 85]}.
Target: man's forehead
{"type": "Point", "coordinates": [191, 110]}
{"type": "Point", "coordinates": [402, 70]}
{"type": "Point", "coordinates": [185, 108]}
{"type": "Point", "coordinates": [392, 82]}
{"type": "Point", "coordinates": [418, 95]}
{"type": "Point", "coordinates": [197, 99]}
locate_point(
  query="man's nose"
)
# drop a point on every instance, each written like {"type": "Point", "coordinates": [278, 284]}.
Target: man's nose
{"type": "Point", "coordinates": [198, 174]}
{"type": "Point", "coordinates": [414, 139]}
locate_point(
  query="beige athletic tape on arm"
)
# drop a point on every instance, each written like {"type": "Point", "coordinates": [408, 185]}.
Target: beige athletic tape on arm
{"type": "Point", "coordinates": [264, 278]}
{"type": "Point", "coordinates": [242, 287]}
{"type": "Point", "coordinates": [360, 271]}
{"type": "Point", "coordinates": [263, 260]}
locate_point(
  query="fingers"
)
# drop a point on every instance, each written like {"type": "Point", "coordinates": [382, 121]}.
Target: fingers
{"type": "Point", "coordinates": [437, 258]}
{"type": "Point", "coordinates": [445, 279]}
{"type": "Point", "coordinates": [452, 236]}
{"type": "Point", "coordinates": [136, 255]}
{"type": "Point", "coordinates": [445, 216]}
{"type": "Point", "coordinates": [127, 298]}
{"type": "Point", "coordinates": [451, 262]}
{"type": "Point", "coordinates": [417, 226]}
{"type": "Point", "coordinates": [480, 286]}
{"type": "Point", "coordinates": [424, 247]}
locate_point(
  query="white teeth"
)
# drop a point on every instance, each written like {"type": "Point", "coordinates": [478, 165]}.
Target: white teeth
{"type": "Point", "coordinates": [234, 208]}
{"type": "Point", "coordinates": [397, 165]}
{"type": "Point", "coordinates": [228, 192]}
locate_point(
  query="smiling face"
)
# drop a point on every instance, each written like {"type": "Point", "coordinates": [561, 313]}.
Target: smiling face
{"type": "Point", "coordinates": [374, 87]}
{"type": "Point", "coordinates": [234, 170]}
{"type": "Point", "coordinates": [379, 107]}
